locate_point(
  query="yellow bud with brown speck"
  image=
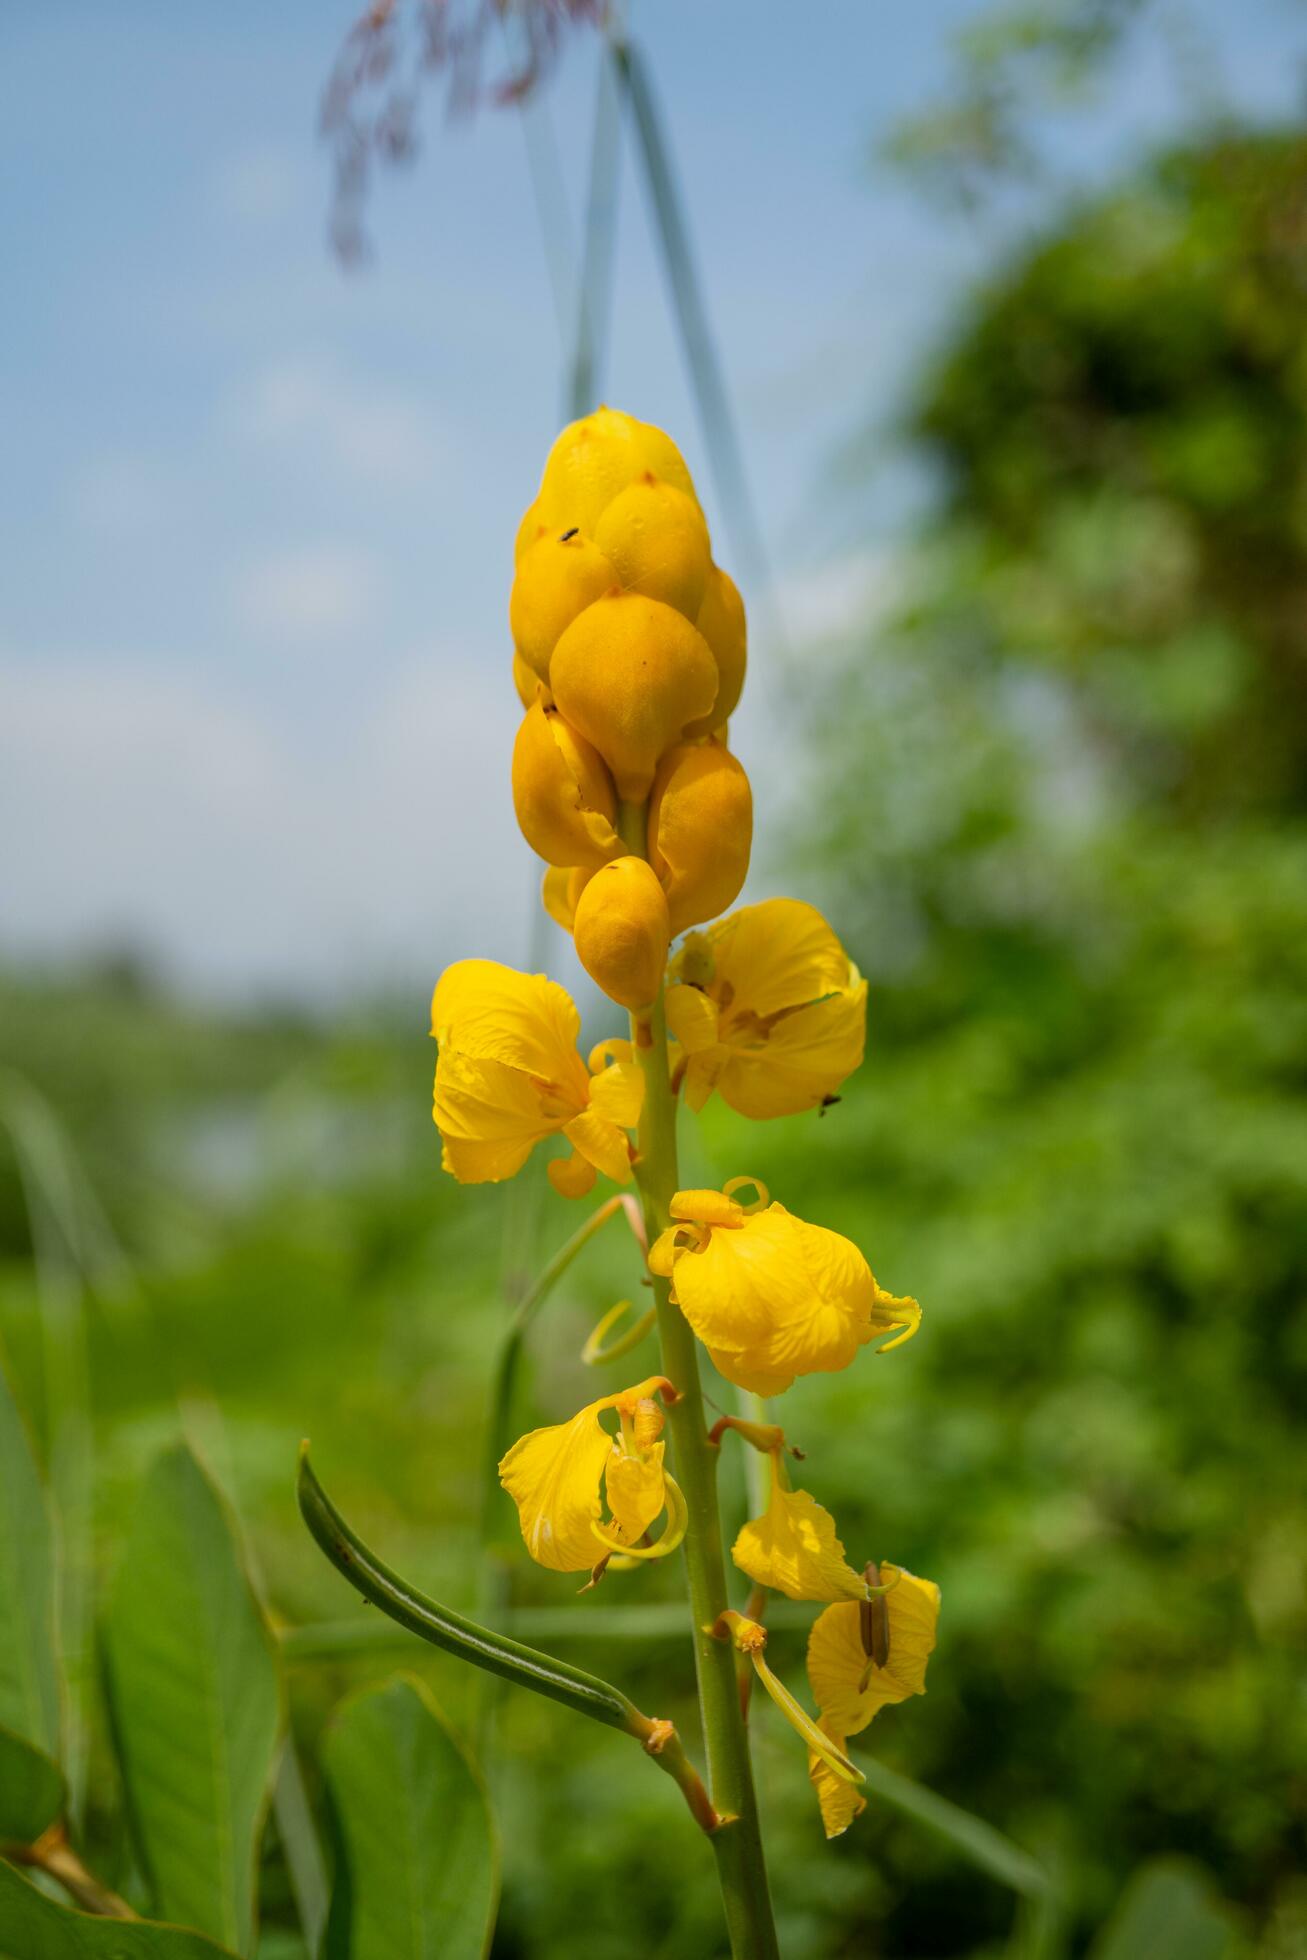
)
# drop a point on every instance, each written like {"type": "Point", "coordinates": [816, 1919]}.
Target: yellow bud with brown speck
{"type": "Point", "coordinates": [563, 795]}
{"type": "Point", "coordinates": [654, 537]}
{"type": "Point", "coordinates": [621, 931]}
{"type": "Point", "coordinates": [700, 831]}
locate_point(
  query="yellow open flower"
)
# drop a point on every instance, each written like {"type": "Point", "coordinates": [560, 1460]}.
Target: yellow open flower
{"type": "Point", "coordinates": [700, 831]}
{"type": "Point", "coordinates": [769, 1295]}
{"type": "Point", "coordinates": [508, 1075]}
{"type": "Point", "coordinates": [563, 796]}
{"type": "Point", "coordinates": [769, 1010]}
{"type": "Point", "coordinates": [553, 1477]}
{"type": "Point", "coordinates": [793, 1547]}
{"type": "Point", "coordinates": [861, 1657]}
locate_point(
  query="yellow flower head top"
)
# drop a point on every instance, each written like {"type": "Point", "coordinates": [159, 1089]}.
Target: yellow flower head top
{"type": "Point", "coordinates": [861, 1657]}
{"type": "Point", "coordinates": [769, 1295]}
{"type": "Point", "coordinates": [508, 1075]}
{"type": "Point", "coordinates": [769, 1010]}
{"type": "Point", "coordinates": [553, 1476]}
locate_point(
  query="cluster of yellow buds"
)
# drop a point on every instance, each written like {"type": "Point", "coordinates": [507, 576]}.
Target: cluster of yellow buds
{"type": "Point", "coordinates": [630, 653]}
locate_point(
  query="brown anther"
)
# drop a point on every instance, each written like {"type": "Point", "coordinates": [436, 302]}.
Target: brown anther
{"type": "Point", "coordinates": [873, 1621]}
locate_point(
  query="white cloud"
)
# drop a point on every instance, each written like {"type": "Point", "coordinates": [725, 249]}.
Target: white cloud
{"type": "Point", "coordinates": [309, 593]}
{"type": "Point", "coordinates": [360, 428]}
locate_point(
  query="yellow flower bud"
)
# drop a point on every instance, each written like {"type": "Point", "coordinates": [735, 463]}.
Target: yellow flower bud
{"type": "Point", "coordinates": [531, 528]}
{"type": "Point", "coordinates": [556, 579]}
{"type": "Point", "coordinates": [594, 459]}
{"type": "Point", "coordinates": [629, 673]}
{"type": "Point", "coordinates": [621, 931]}
{"type": "Point", "coordinates": [655, 539]}
{"type": "Point", "coordinates": [526, 681]}
{"type": "Point", "coordinates": [562, 793]}
{"type": "Point", "coordinates": [700, 831]}
{"type": "Point", "coordinates": [722, 623]}
{"type": "Point", "coordinates": [559, 891]}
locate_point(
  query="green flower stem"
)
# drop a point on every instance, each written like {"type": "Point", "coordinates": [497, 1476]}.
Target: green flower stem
{"type": "Point", "coordinates": [737, 1842]}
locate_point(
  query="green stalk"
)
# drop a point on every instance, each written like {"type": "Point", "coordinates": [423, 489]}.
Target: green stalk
{"type": "Point", "coordinates": [737, 1843]}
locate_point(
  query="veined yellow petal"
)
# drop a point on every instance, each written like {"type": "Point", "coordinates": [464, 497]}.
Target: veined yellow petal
{"type": "Point", "coordinates": [744, 1282]}
{"type": "Point", "coordinates": [636, 1490]}
{"type": "Point", "coordinates": [793, 1548]}
{"type": "Point", "coordinates": [486, 1101]}
{"type": "Point", "coordinates": [849, 1688]}
{"type": "Point", "coordinates": [602, 1142]}
{"type": "Point", "coordinates": [490, 1012]}
{"type": "Point", "coordinates": [473, 1162]}
{"type": "Point", "coordinates": [552, 1475]}
{"type": "Point", "coordinates": [617, 1094]}
{"type": "Point", "coordinates": [781, 954]}
{"type": "Point", "coordinates": [803, 1057]}
{"type": "Point", "coordinates": [840, 1801]}
{"type": "Point", "coordinates": [692, 1018]}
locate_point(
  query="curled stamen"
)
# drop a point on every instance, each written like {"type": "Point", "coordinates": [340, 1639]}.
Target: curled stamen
{"type": "Point", "coordinates": [759, 1203]}
{"type": "Point", "coordinates": [594, 1350]}
{"type": "Point", "coordinates": [750, 1638]}
{"type": "Point", "coordinates": [678, 1518]}
{"type": "Point", "coordinates": [892, 1311]}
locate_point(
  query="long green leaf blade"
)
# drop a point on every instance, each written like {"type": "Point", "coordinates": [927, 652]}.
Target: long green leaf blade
{"type": "Point", "coordinates": [29, 1681]}
{"type": "Point", "coordinates": [32, 1791]}
{"type": "Point", "coordinates": [1167, 1912]}
{"type": "Point", "coordinates": [33, 1927]}
{"type": "Point", "coordinates": [444, 1628]}
{"type": "Point", "coordinates": [977, 1841]}
{"type": "Point", "coordinates": [195, 1696]}
{"type": "Point", "coordinates": [417, 1867]}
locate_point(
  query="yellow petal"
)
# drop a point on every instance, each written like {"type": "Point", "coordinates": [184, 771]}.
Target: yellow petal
{"type": "Point", "coordinates": [840, 1801]}
{"type": "Point", "coordinates": [722, 623]}
{"type": "Point", "coordinates": [803, 1059]}
{"type": "Point", "coordinates": [617, 1093]}
{"type": "Point", "coordinates": [602, 1142]}
{"type": "Point", "coordinates": [636, 1490]}
{"type": "Point", "coordinates": [489, 1012]}
{"type": "Point", "coordinates": [552, 1476]}
{"type": "Point", "coordinates": [489, 1116]}
{"type": "Point", "coordinates": [779, 954]}
{"type": "Point", "coordinates": [563, 795]}
{"type": "Point", "coordinates": [849, 1688]}
{"type": "Point", "coordinates": [793, 1549]}
{"type": "Point", "coordinates": [701, 1077]}
{"type": "Point", "coordinates": [571, 1177]}
{"type": "Point", "coordinates": [691, 1018]}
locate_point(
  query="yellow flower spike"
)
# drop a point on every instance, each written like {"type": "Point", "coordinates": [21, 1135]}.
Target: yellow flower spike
{"type": "Point", "coordinates": [769, 1295]}
{"type": "Point", "coordinates": [556, 579]}
{"type": "Point", "coordinates": [563, 796]}
{"type": "Point", "coordinates": [654, 537]}
{"type": "Point", "coordinates": [628, 674]}
{"type": "Point", "coordinates": [621, 929]}
{"type": "Point", "coordinates": [849, 1686]}
{"type": "Point", "coordinates": [508, 1076]}
{"type": "Point", "coordinates": [721, 621]}
{"type": "Point", "coordinates": [793, 1548]}
{"type": "Point", "coordinates": [749, 1638]}
{"type": "Point", "coordinates": [560, 889]}
{"type": "Point", "coordinates": [780, 1020]}
{"type": "Point", "coordinates": [594, 459]}
{"type": "Point", "coordinates": [700, 831]}
{"type": "Point", "coordinates": [553, 1476]}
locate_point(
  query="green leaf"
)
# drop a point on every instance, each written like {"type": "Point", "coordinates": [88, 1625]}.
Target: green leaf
{"type": "Point", "coordinates": [195, 1697]}
{"type": "Point", "coordinates": [417, 1866]}
{"type": "Point", "coordinates": [1167, 1912]}
{"type": "Point", "coordinates": [972, 1836]}
{"type": "Point", "coordinates": [31, 1790]}
{"type": "Point", "coordinates": [33, 1927]}
{"type": "Point", "coordinates": [29, 1682]}
{"type": "Point", "coordinates": [444, 1628]}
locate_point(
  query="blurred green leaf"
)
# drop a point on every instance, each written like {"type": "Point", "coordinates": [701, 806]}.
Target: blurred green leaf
{"type": "Point", "coordinates": [972, 1836]}
{"type": "Point", "coordinates": [1168, 1912]}
{"type": "Point", "coordinates": [417, 1869]}
{"type": "Point", "coordinates": [29, 1687]}
{"type": "Point", "coordinates": [195, 1696]}
{"type": "Point", "coordinates": [31, 1790]}
{"type": "Point", "coordinates": [33, 1927]}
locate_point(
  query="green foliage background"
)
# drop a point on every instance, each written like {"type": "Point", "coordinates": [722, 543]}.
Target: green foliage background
{"type": "Point", "coordinates": [1058, 810]}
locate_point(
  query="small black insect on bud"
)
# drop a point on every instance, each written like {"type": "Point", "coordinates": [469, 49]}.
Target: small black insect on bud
{"type": "Point", "coordinates": [569, 534]}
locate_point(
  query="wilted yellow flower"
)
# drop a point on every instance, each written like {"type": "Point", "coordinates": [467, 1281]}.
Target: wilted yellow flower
{"type": "Point", "coordinates": [508, 1075]}
{"type": "Point", "coordinates": [861, 1657]}
{"type": "Point", "coordinates": [793, 1548]}
{"type": "Point", "coordinates": [553, 1477]}
{"type": "Point", "coordinates": [621, 930]}
{"type": "Point", "coordinates": [700, 831]}
{"type": "Point", "coordinates": [629, 673]}
{"type": "Point", "coordinates": [564, 797]}
{"type": "Point", "coordinates": [722, 623]}
{"type": "Point", "coordinates": [769, 1295]}
{"type": "Point", "coordinates": [769, 1010]}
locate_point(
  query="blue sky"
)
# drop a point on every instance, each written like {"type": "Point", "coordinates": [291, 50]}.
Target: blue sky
{"type": "Point", "coordinates": [257, 513]}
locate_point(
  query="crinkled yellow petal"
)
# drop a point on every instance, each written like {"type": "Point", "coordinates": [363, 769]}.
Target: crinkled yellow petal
{"type": "Point", "coordinates": [552, 1476]}
{"type": "Point", "coordinates": [779, 954]}
{"type": "Point", "coordinates": [840, 1801]}
{"type": "Point", "coordinates": [490, 1012]}
{"type": "Point", "coordinates": [571, 1177]}
{"type": "Point", "coordinates": [692, 1018]}
{"type": "Point", "coordinates": [838, 1665]}
{"type": "Point", "coordinates": [489, 1116]}
{"type": "Point", "coordinates": [707, 1208]}
{"type": "Point", "coordinates": [793, 1549]}
{"type": "Point", "coordinates": [602, 1142]}
{"type": "Point", "coordinates": [617, 1093]}
{"type": "Point", "coordinates": [473, 1162]}
{"type": "Point", "coordinates": [636, 1490]}
{"type": "Point", "coordinates": [701, 1076]}
{"type": "Point", "coordinates": [800, 1060]}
